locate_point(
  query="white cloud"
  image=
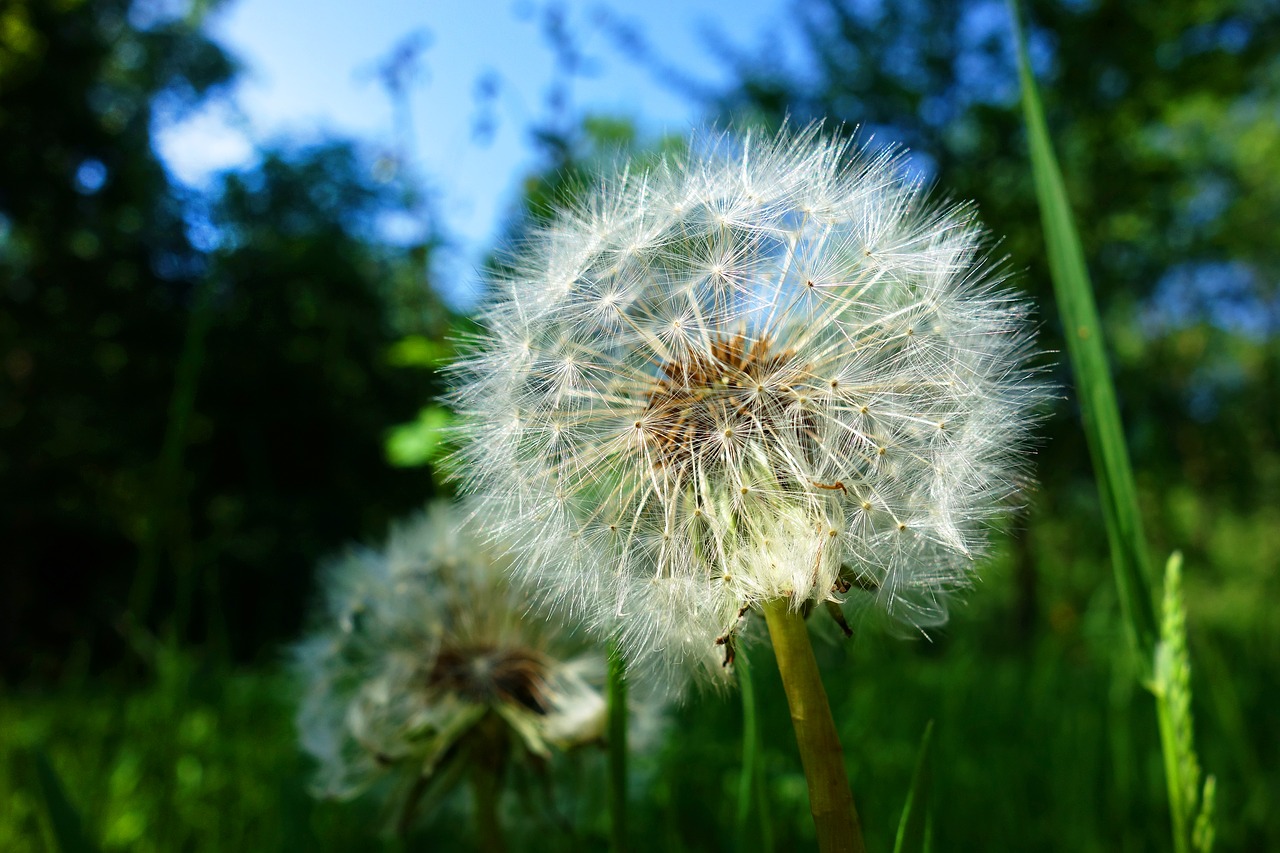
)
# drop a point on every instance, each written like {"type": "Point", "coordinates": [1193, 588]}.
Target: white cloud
{"type": "Point", "coordinates": [209, 140]}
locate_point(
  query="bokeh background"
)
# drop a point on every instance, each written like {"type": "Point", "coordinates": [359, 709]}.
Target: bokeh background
{"type": "Point", "coordinates": [235, 240]}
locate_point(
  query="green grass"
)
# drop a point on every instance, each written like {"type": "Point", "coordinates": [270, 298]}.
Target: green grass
{"type": "Point", "coordinates": [201, 758]}
{"type": "Point", "coordinates": [1044, 743]}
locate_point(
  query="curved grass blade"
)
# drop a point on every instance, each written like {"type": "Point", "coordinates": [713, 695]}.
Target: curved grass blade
{"type": "Point", "coordinates": [64, 820]}
{"type": "Point", "coordinates": [914, 825]}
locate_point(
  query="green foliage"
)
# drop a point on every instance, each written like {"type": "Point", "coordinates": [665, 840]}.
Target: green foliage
{"type": "Point", "coordinates": [419, 351]}
{"type": "Point", "coordinates": [1024, 750]}
{"type": "Point", "coordinates": [196, 390]}
{"type": "Point", "coordinates": [617, 745]}
{"type": "Point", "coordinates": [197, 758]}
{"type": "Point", "coordinates": [752, 802]}
{"type": "Point", "coordinates": [421, 440]}
{"type": "Point", "coordinates": [95, 270]}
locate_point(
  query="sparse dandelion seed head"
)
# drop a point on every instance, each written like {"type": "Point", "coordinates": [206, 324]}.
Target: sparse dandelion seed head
{"type": "Point", "coordinates": [811, 372]}
{"type": "Point", "coordinates": [419, 640]}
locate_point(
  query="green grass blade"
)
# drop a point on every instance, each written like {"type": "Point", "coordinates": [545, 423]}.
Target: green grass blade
{"type": "Point", "coordinates": [751, 793]}
{"type": "Point", "coordinates": [1161, 645]}
{"type": "Point", "coordinates": [1094, 388]}
{"type": "Point", "coordinates": [1190, 804]}
{"type": "Point", "coordinates": [914, 828]}
{"type": "Point", "coordinates": [64, 820]}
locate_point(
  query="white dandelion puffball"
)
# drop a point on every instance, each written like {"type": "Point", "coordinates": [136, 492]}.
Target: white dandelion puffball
{"type": "Point", "coordinates": [419, 642]}
{"type": "Point", "coordinates": [769, 368]}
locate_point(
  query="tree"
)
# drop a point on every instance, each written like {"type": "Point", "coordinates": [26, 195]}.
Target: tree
{"type": "Point", "coordinates": [194, 387]}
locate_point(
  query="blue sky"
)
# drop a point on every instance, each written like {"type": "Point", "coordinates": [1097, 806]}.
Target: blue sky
{"type": "Point", "coordinates": [311, 67]}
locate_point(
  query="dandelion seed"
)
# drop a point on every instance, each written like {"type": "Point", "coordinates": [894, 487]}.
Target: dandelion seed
{"type": "Point", "coordinates": [810, 372]}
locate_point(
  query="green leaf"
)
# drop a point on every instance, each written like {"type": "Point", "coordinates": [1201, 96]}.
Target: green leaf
{"type": "Point", "coordinates": [64, 820]}
{"type": "Point", "coordinates": [419, 441]}
{"type": "Point", "coordinates": [418, 351]}
{"type": "Point", "coordinates": [1096, 393]}
{"type": "Point", "coordinates": [914, 829]}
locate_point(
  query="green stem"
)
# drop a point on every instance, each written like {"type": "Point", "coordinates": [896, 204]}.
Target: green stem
{"type": "Point", "coordinates": [617, 738]}
{"type": "Point", "coordinates": [751, 782]}
{"type": "Point", "coordinates": [486, 787]}
{"type": "Point", "coordinates": [830, 799]}
{"type": "Point", "coordinates": [409, 812]}
{"type": "Point", "coordinates": [168, 498]}
{"type": "Point", "coordinates": [489, 751]}
{"type": "Point", "coordinates": [1178, 811]}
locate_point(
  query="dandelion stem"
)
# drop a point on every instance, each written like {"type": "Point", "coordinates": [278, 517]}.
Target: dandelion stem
{"type": "Point", "coordinates": [489, 747]}
{"type": "Point", "coordinates": [409, 811]}
{"type": "Point", "coordinates": [830, 799]}
{"type": "Point", "coordinates": [617, 698]}
{"type": "Point", "coordinates": [486, 787]}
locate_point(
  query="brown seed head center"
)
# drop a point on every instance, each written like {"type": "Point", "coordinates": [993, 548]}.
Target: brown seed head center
{"type": "Point", "coordinates": [706, 398]}
{"type": "Point", "coordinates": [488, 674]}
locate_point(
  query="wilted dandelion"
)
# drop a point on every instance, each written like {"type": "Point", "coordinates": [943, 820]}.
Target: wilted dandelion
{"type": "Point", "coordinates": [767, 375]}
{"type": "Point", "coordinates": [426, 664]}
{"type": "Point", "coordinates": [772, 369]}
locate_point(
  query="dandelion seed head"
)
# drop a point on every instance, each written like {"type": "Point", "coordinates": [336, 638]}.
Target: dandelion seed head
{"type": "Point", "coordinates": [418, 641]}
{"type": "Point", "coordinates": [744, 374]}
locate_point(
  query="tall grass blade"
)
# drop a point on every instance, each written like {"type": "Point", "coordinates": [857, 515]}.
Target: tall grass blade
{"type": "Point", "coordinates": [64, 820]}
{"type": "Point", "coordinates": [1161, 645]}
{"type": "Point", "coordinates": [914, 828]}
{"type": "Point", "coordinates": [1095, 391]}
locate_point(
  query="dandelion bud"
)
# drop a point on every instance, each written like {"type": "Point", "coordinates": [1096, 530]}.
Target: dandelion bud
{"type": "Point", "coordinates": [768, 369]}
{"type": "Point", "coordinates": [423, 647]}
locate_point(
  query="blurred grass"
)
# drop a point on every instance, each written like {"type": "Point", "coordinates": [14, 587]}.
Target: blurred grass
{"type": "Point", "coordinates": [915, 825]}
{"type": "Point", "coordinates": [65, 826]}
{"type": "Point", "coordinates": [1038, 744]}
{"type": "Point", "coordinates": [201, 758]}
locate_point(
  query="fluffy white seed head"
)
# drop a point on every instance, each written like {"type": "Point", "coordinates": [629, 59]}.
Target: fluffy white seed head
{"type": "Point", "coordinates": [772, 368]}
{"type": "Point", "coordinates": [418, 642]}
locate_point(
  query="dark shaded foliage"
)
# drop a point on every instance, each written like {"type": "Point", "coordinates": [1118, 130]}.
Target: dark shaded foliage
{"type": "Point", "coordinates": [190, 427]}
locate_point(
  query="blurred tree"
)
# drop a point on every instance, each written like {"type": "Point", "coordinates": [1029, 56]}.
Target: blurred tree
{"type": "Point", "coordinates": [193, 390]}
